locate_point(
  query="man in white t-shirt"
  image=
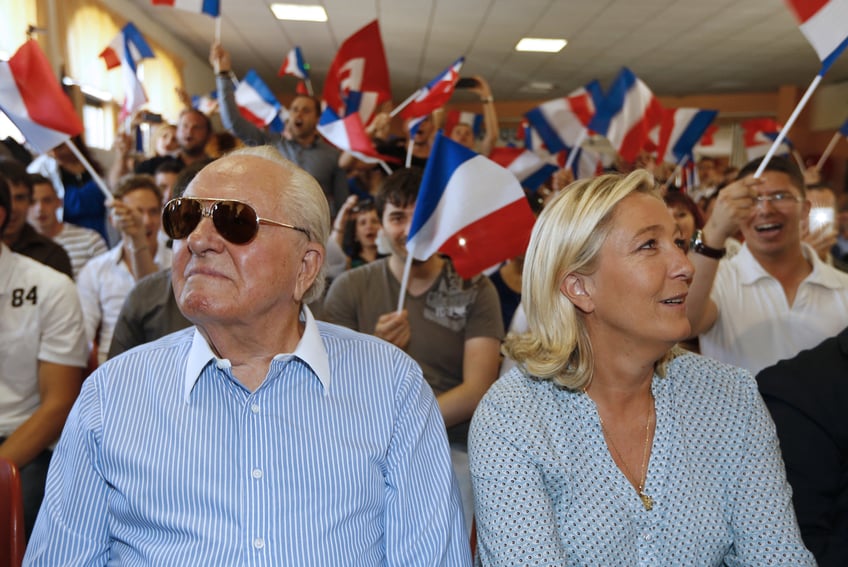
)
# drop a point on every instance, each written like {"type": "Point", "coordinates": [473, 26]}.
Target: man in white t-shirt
{"type": "Point", "coordinates": [42, 349]}
{"type": "Point", "coordinates": [775, 297]}
{"type": "Point", "coordinates": [82, 244]}
{"type": "Point", "coordinates": [107, 279]}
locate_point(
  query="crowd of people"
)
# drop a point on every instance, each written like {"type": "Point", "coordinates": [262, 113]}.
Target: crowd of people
{"type": "Point", "coordinates": [220, 340]}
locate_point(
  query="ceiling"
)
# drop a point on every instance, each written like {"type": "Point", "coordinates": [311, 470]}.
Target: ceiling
{"type": "Point", "coordinates": [678, 47]}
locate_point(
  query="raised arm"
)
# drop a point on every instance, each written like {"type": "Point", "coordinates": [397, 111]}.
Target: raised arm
{"type": "Point", "coordinates": [490, 116]}
{"type": "Point", "coordinates": [230, 116]}
{"type": "Point", "coordinates": [734, 204]}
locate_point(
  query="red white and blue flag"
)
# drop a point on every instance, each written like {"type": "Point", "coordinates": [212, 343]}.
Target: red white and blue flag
{"type": "Point", "coordinates": [825, 25]}
{"type": "Point", "coordinates": [472, 119]}
{"type": "Point", "coordinates": [679, 131]}
{"type": "Point", "coordinates": [586, 163]}
{"type": "Point", "coordinates": [258, 104]}
{"type": "Point", "coordinates": [470, 209]}
{"type": "Point", "coordinates": [531, 169]}
{"type": "Point", "coordinates": [127, 50]}
{"type": "Point", "coordinates": [209, 7]}
{"type": "Point", "coordinates": [205, 103]}
{"type": "Point", "coordinates": [627, 114]}
{"type": "Point", "coordinates": [758, 135]}
{"type": "Point", "coordinates": [358, 78]}
{"type": "Point", "coordinates": [434, 94]}
{"type": "Point", "coordinates": [33, 99]}
{"type": "Point", "coordinates": [561, 122]}
{"type": "Point", "coordinates": [294, 65]}
{"type": "Point", "coordinates": [348, 134]}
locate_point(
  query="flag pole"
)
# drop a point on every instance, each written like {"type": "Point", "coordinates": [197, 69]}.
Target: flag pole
{"type": "Point", "coordinates": [405, 279]}
{"type": "Point", "coordinates": [409, 146]}
{"type": "Point", "coordinates": [674, 173]}
{"type": "Point", "coordinates": [385, 167]}
{"type": "Point", "coordinates": [799, 160]}
{"type": "Point", "coordinates": [218, 28]}
{"type": "Point", "coordinates": [828, 150]}
{"type": "Point", "coordinates": [403, 105]}
{"type": "Point", "coordinates": [780, 137]}
{"type": "Point", "coordinates": [97, 179]}
{"type": "Point", "coordinates": [308, 82]}
{"type": "Point", "coordinates": [572, 155]}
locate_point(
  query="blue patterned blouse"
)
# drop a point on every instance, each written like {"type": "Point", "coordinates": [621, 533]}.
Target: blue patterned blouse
{"type": "Point", "coordinates": [547, 491]}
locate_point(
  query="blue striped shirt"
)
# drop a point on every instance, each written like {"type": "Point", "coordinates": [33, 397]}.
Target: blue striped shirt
{"type": "Point", "coordinates": [338, 458]}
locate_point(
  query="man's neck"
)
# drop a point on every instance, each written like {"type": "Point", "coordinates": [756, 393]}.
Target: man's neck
{"type": "Point", "coordinates": [422, 275]}
{"type": "Point", "coordinates": [53, 230]}
{"type": "Point", "coordinates": [789, 268]}
{"type": "Point", "coordinates": [190, 158]}
{"type": "Point", "coordinates": [251, 349]}
{"type": "Point", "coordinates": [306, 140]}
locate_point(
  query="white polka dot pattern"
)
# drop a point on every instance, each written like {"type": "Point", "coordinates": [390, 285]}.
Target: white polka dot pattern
{"type": "Point", "coordinates": [547, 491]}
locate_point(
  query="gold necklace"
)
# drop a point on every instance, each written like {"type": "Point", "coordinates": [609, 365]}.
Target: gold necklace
{"type": "Point", "coordinates": [647, 501]}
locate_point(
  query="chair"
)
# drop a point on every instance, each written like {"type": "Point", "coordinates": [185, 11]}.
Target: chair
{"type": "Point", "coordinates": [12, 538]}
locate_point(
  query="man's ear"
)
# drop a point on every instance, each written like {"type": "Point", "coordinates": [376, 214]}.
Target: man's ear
{"type": "Point", "coordinates": [310, 267]}
{"type": "Point", "coordinates": [576, 288]}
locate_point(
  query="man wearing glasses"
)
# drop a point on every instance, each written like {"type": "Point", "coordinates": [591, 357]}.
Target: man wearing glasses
{"type": "Point", "coordinates": [258, 436]}
{"type": "Point", "coordinates": [775, 297]}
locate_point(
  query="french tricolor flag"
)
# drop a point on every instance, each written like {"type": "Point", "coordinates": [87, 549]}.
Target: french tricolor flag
{"type": "Point", "coordinates": [825, 25]}
{"type": "Point", "coordinates": [294, 65]}
{"type": "Point", "coordinates": [470, 209]}
{"type": "Point", "coordinates": [758, 136]}
{"type": "Point", "coordinates": [128, 49]}
{"type": "Point", "coordinates": [33, 99]}
{"type": "Point", "coordinates": [209, 7]}
{"type": "Point", "coordinates": [531, 169]}
{"type": "Point", "coordinates": [257, 103]}
{"type": "Point", "coordinates": [627, 114]}
{"type": "Point", "coordinates": [680, 129]}
{"type": "Point", "coordinates": [562, 121]}
{"type": "Point", "coordinates": [434, 94]}
{"type": "Point", "coordinates": [348, 134]}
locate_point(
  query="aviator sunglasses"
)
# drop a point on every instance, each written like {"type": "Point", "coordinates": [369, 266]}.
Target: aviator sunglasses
{"type": "Point", "coordinates": [235, 221]}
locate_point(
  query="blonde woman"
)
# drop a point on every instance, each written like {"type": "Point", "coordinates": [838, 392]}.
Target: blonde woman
{"type": "Point", "coordinates": [606, 445]}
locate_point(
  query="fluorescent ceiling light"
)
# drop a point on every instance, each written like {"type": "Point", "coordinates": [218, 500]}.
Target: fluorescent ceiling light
{"type": "Point", "coordinates": [539, 44]}
{"type": "Point", "coordinates": [299, 12]}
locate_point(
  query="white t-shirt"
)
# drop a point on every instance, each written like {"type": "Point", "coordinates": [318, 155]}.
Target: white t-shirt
{"type": "Point", "coordinates": [40, 320]}
{"type": "Point", "coordinates": [756, 327]}
{"type": "Point", "coordinates": [103, 286]}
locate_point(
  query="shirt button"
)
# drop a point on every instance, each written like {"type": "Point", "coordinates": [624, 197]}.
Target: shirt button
{"type": "Point", "coordinates": [259, 543]}
{"type": "Point", "coordinates": [647, 537]}
{"type": "Point", "coordinates": [257, 473]}
{"type": "Point", "coordinates": [254, 408]}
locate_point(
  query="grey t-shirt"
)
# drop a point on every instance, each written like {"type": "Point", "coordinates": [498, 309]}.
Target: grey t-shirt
{"type": "Point", "coordinates": [441, 319]}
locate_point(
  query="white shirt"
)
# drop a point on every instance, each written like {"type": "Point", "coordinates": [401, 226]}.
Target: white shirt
{"type": "Point", "coordinates": [40, 320]}
{"type": "Point", "coordinates": [103, 285]}
{"type": "Point", "coordinates": [756, 327]}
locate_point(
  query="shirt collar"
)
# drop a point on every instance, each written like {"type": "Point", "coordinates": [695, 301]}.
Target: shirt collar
{"type": "Point", "coordinates": [750, 269]}
{"type": "Point", "coordinates": [310, 349]}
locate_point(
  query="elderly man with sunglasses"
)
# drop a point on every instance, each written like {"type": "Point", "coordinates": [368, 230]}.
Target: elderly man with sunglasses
{"type": "Point", "coordinates": [259, 436]}
{"type": "Point", "coordinates": [775, 297]}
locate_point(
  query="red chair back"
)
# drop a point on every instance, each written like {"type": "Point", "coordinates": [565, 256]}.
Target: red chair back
{"type": "Point", "coordinates": [12, 539]}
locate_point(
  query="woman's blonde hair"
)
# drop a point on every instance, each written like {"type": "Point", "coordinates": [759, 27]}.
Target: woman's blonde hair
{"type": "Point", "coordinates": [567, 238]}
